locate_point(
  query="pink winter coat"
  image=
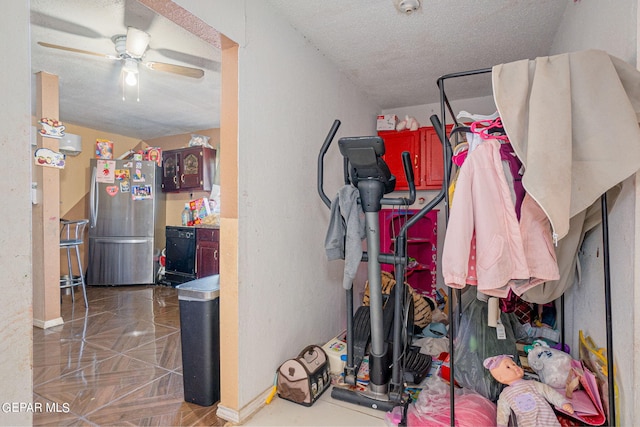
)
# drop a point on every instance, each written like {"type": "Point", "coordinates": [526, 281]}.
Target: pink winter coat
{"type": "Point", "coordinates": [510, 255]}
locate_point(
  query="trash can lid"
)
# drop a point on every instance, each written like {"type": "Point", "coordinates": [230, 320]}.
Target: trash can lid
{"type": "Point", "coordinates": [205, 288]}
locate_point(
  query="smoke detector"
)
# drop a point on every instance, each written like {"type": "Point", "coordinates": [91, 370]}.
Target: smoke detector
{"type": "Point", "coordinates": [408, 6]}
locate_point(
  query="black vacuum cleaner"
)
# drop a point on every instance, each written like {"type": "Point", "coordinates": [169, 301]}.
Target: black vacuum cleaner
{"type": "Point", "coordinates": [383, 327]}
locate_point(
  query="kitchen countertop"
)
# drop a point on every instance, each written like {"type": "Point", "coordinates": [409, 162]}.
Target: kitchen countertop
{"type": "Point", "coordinates": [196, 226]}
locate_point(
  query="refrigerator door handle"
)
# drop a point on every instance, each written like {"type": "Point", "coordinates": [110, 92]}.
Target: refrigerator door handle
{"type": "Point", "coordinates": [93, 200]}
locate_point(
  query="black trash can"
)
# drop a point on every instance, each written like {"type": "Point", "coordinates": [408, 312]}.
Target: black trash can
{"type": "Point", "coordinates": [200, 336]}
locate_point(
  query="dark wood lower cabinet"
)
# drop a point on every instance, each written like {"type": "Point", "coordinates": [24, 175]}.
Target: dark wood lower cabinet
{"type": "Point", "coordinates": [207, 252]}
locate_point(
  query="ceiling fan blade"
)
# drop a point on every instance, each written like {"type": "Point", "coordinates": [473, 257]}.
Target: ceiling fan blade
{"type": "Point", "coordinates": [196, 73]}
{"type": "Point", "coordinates": [137, 42]}
{"type": "Point", "coordinates": [73, 49]}
{"type": "Point", "coordinates": [192, 60]}
{"type": "Point", "coordinates": [53, 23]}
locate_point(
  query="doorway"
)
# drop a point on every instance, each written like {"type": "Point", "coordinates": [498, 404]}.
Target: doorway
{"type": "Point", "coordinates": [228, 143]}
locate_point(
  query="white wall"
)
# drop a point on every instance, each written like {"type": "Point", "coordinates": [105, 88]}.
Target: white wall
{"type": "Point", "coordinates": [610, 25]}
{"type": "Point", "coordinates": [15, 229]}
{"type": "Point", "coordinates": [289, 96]}
{"type": "Point", "coordinates": [482, 105]}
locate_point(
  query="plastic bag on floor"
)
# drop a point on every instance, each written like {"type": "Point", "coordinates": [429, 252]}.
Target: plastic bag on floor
{"type": "Point", "coordinates": [476, 341]}
{"type": "Point", "coordinates": [432, 407]}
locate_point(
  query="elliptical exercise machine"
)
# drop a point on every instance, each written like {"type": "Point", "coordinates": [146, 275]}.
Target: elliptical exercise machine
{"type": "Point", "coordinates": [384, 324]}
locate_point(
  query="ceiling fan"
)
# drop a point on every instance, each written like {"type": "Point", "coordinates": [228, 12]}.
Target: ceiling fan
{"type": "Point", "coordinates": [130, 49]}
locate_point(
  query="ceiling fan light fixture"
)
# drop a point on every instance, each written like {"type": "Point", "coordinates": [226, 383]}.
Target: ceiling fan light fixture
{"type": "Point", "coordinates": [137, 42]}
{"type": "Point", "coordinates": [131, 79]}
{"type": "Point", "coordinates": [130, 69]}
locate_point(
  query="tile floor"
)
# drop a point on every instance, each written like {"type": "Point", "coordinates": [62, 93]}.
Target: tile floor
{"type": "Point", "coordinates": [119, 363]}
{"type": "Point", "coordinates": [116, 363]}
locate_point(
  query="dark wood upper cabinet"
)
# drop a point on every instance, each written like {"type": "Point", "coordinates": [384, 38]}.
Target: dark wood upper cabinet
{"type": "Point", "coordinates": [188, 169]}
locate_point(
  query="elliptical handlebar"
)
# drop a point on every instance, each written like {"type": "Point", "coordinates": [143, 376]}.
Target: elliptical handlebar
{"type": "Point", "coordinates": [406, 163]}
{"type": "Point", "coordinates": [323, 151]}
{"type": "Point", "coordinates": [408, 173]}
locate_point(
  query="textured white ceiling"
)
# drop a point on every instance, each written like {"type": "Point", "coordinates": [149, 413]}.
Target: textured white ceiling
{"type": "Point", "coordinates": [395, 58]}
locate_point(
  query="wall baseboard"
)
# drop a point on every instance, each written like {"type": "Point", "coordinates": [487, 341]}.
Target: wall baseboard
{"type": "Point", "coordinates": [47, 323]}
{"type": "Point", "coordinates": [239, 417]}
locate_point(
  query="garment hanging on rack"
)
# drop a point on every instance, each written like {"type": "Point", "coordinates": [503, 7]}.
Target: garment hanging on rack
{"type": "Point", "coordinates": [474, 117]}
{"type": "Point", "coordinates": [513, 175]}
{"type": "Point", "coordinates": [513, 172]}
{"type": "Point", "coordinates": [567, 252]}
{"type": "Point", "coordinates": [346, 232]}
{"type": "Point", "coordinates": [489, 129]}
{"type": "Point", "coordinates": [573, 121]}
{"type": "Point", "coordinates": [513, 169]}
{"type": "Point", "coordinates": [510, 254]}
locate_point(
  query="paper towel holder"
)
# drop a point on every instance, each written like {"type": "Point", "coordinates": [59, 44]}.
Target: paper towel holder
{"type": "Point", "coordinates": [71, 144]}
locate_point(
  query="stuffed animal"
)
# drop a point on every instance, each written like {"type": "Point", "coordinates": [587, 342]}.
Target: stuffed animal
{"type": "Point", "coordinates": [409, 123]}
{"type": "Point", "coordinates": [529, 400]}
{"type": "Point", "coordinates": [552, 366]}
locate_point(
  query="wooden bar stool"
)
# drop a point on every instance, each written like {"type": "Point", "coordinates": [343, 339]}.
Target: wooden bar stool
{"type": "Point", "coordinates": [71, 237]}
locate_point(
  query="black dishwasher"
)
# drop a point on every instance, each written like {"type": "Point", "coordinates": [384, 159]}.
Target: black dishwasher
{"type": "Point", "coordinates": [180, 264]}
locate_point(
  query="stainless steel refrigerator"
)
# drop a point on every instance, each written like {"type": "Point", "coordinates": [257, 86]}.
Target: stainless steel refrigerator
{"type": "Point", "coordinates": [126, 222]}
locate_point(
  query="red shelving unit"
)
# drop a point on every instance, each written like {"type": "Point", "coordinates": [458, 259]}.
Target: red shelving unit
{"type": "Point", "coordinates": [422, 249]}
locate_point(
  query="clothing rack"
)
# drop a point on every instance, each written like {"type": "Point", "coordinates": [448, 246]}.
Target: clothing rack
{"type": "Point", "coordinates": [440, 126]}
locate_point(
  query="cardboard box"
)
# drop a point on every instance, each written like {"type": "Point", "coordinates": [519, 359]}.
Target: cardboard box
{"type": "Point", "coordinates": [200, 209]}
{"type": "Point", "coordinates": [387, 122]}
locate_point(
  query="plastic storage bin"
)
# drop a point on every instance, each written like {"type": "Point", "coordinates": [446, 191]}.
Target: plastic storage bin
{"type": "Point", "coordinates": [200, 334]}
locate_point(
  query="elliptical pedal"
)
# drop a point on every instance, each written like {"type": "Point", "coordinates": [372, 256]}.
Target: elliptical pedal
{"type": "Point", "coordinates": [416, 365]}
